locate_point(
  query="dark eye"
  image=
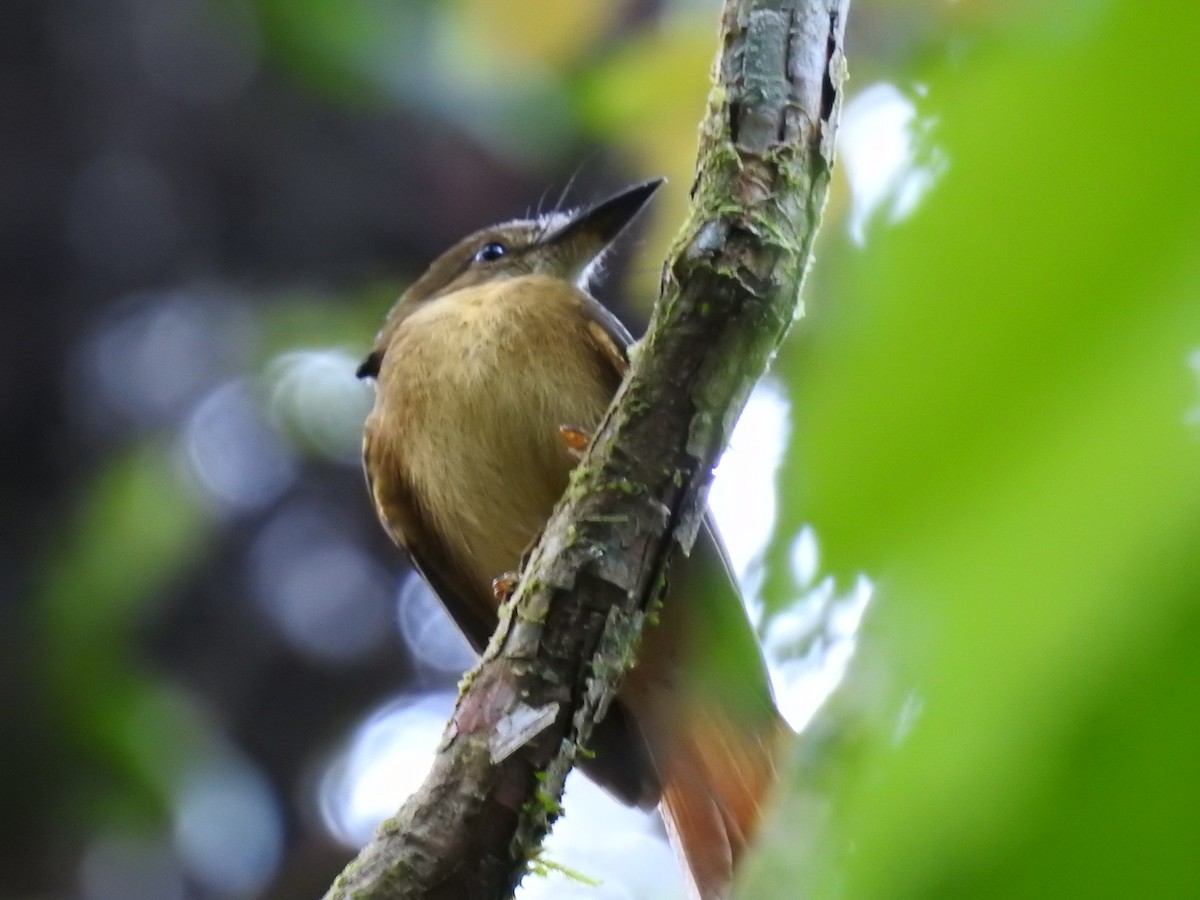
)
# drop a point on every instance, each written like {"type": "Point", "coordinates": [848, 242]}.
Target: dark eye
{"type": "Point", "coordinates": [490, 251]}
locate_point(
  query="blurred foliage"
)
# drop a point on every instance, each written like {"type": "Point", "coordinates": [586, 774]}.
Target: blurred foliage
{"type": "Point", "coordinates": [357, 51]}
{"type": "Point", "coordinates": [137, 527]}
{"type": "Point", "coordinates": [997, 419]}
{"type": "Point", "coordinates": [657, 127]}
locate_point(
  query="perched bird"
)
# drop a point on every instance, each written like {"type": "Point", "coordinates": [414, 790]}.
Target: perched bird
{"type": "Point", "coordinates": [478, 366]}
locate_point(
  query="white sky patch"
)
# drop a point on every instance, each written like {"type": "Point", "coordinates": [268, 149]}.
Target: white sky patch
{"type": "Point", "coordinates": [389, 755]}
{"type": "Point", "coordinates": [385, 761]}
{"type": "Point", "coordinates": [809, 647]}
{"type": "Point", "coordinates": [877, 145]}
{"type": "Point", "coordinates": [805, 557]}
{"type": "Point", "coordinates": [743, 491]}
{"type": "Point", "coordinates": [621, 847]}
{"type": "Point", "coordinates": [1192, 416]}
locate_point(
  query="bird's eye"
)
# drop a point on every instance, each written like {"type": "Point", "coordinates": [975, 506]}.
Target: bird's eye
{"type": "Point", "coordinates": [490, 251]}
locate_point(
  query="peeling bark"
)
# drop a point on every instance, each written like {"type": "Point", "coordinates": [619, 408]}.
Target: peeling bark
{"type": "Point", "coordinates": [730, 290]}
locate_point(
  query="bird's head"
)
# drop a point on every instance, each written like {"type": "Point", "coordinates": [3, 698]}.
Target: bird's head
{"type": "Point", "coordinates": [566, 245]}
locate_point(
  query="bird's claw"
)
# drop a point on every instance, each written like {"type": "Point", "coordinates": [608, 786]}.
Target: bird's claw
{"type": "Point", "coordinates": [576, 439]}
{"type": "Point", "coordinates": [504, 586]}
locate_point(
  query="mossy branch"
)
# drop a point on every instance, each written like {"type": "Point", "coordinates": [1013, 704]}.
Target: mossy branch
{"type": "Point", "coordinates": [730, 290]}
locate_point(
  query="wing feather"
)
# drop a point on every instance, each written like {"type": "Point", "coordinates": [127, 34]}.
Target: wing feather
{"type": "Point", "coordinates": [399, 510]}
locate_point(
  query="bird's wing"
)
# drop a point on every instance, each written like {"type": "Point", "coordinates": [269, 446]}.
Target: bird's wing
{"type": "Point", "coordinates": [398, 510]}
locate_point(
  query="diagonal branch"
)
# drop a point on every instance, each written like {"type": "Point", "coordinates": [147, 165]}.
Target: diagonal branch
{"type": "Point", "coordinates": [730, 290]}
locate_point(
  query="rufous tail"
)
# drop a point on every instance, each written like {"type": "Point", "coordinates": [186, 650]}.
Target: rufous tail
{"type": "Point", "coordinates": [717, 781]}
{"type": "Point", "coordinates": [700, 696]}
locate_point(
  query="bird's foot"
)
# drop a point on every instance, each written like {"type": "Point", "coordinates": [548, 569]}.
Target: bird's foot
{"type": "Point", "coordinates": [505, 586]}
{"type": "Point", "coordinates": [576, 439]}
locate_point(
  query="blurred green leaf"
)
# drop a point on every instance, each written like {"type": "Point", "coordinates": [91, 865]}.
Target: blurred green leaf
{"type": "Point", "coordinates": [517, 35]}
{"type": "Point", "coordinates": [309, 320]}
{"type": "Point", "coordinates": [356, 51]}
{"type": "Point", "coordinates": [655, 126]}
{"type": "Point", "coordinates": [994, 422]}
{"type": "Point", "coordinates": [138, 527]}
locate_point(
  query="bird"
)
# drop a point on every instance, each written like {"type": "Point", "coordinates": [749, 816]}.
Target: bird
{"type": "Point", "coordinates": [479, 368]}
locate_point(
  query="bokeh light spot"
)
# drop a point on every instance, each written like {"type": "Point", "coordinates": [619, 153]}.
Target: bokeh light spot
{"type": "Point", "coordinates": [228, 828]}
{"type": "Point", "coordinates": [237, 459]}
{"type": "Point", "coordinates": [385, 760]}
{"type": "Point", "coordinates": [323, 592]}
{"type": "Point", "coordinates": [150, 361]}
{"type": "Point", "coordinates": [430, 634]}
{"type": "Point", "coordinates": [315, 394]}
{"type": "Point", "coordinates": [1192, 417]}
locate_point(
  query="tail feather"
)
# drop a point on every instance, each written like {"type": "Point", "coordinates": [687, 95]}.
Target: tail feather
{"type": "Point", "coordinates": [717, 781]}
{"type": "Point", "coordinates": [696, 829]}
{"type": "Point", "coordinates": [711, 736]}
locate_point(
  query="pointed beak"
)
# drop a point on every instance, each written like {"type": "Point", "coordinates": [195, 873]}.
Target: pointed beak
{"type": "Point", "coordinates": [589, 231]}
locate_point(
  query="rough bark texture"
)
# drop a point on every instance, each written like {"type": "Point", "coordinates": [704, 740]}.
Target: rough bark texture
{"type": "Point", "coordinates": [730, 290]}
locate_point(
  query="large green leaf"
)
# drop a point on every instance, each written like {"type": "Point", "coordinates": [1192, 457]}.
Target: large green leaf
{"type": "Point", "coordinates": [997, 419]}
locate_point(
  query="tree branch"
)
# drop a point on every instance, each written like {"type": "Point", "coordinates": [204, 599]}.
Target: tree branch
{"type": "Point", "coordinates": [729, 292]}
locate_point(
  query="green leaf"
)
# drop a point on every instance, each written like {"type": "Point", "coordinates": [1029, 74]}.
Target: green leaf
{"type": "Point", "coordinates": [997, 420]}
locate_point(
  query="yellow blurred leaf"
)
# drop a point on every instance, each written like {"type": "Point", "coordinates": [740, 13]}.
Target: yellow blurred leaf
{"type": "Point", "coordinates": [517, 34]}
